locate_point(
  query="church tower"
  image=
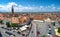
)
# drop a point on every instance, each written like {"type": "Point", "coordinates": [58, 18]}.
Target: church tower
{"type": "Point", "coordinates": [12, 9]}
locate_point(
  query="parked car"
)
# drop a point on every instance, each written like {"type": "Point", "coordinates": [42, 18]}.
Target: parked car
{"type": "Point", "coordinates": [50, 32]}
{"type": "Point", "coordinates": [2, 27]}
{"type": "Point", "coordinates": [23, 34]}
{"type": "Point", "coordinates": [8, 29]}
{"type": "Point", "coordinates": [0, 34]}
{"type": "Point", "coordinates": [8, 33]}
{"type": "Point", "coordinates": [12, 36]}
{"type": "Point", "coordinates": [49, 26]}
{"type": "Point", "coordinates": [14, 30]}
{"type": "Point", "coordinates": [48, 35]}
{"type": "Point", "coordinates": [18, 32]}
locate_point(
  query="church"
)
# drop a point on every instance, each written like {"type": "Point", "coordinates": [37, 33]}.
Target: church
{"type": "Point", "coordinates": [13, 17]}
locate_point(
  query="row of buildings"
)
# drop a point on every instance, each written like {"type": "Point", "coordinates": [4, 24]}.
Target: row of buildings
{"type": "Point", "coordinates": [14, 18]}
{"type": "Point", "coordinates": [21, 18]}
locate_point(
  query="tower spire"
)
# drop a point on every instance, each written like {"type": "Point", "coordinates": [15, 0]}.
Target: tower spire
{"type": "Point", "coordinates": [12, 9]}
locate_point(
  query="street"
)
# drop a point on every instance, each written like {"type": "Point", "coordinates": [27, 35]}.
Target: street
{"type": "Point", "coordinates": [42, 27]}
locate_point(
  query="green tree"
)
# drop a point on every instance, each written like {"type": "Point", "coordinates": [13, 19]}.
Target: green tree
{"type": "Point", "coordinates": [43, 36]}
{"type": "Point", "coordinates": [14, 25]}
{"type": "Point", "coordinates": [53, 23]}
{"type": "Point", "coordinates": [1, 21]}
{"type": "Point", "coordinates": [59, 30]}
{"type": "Point", "coordinates": [8, 24]}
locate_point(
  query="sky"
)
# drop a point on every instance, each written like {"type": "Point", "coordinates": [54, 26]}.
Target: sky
{"type": "Point", "coordinates": [30, 5]}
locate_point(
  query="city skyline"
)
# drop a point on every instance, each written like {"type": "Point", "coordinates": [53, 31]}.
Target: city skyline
{"type": "Point", "coordinates": [30, 5]}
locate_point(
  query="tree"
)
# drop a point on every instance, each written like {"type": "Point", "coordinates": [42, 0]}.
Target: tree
{"type": "Point", "coordinates": [8, 24]}
{"type": "Point", "coordinates": [14, 25]}
{"type": "Point", "coordinates": [58, 30]}
{"type": "Point", "coordinates": [43, 36]}
{"type": "Point", "coordinates": [1, 21]}
{"type": "Point", "coordinates": [53, 23]}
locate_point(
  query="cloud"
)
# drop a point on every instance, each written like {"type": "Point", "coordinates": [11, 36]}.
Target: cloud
{"type": "Point", "coordinates": [3, 8]}
{"type": "Point", "coordinates": [52, 7]}
{"type": "Point", "coordinates": [41, 8]}
{"type": "Point", "coordinates": [21, 8]}
{"type": "Point", "coordinates": [17, 8]}
{"type": "Point", "coordinates": [9, 5]}
{"type": "Point", "coordinates": [58, 8]}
